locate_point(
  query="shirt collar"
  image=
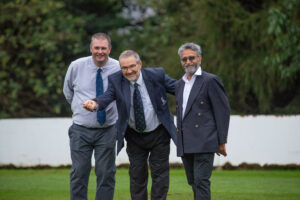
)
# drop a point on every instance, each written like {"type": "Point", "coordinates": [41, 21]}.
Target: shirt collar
{"type": "Point", "coordinates": [104, 67]}
{"type": "Point", "coordinates": [197, 73]}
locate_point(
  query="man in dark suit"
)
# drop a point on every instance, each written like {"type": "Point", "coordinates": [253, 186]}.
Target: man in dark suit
{"type": "Point", "coordinates": [203, 114]}
{"type": "Point", "coordinates": [144, 120]}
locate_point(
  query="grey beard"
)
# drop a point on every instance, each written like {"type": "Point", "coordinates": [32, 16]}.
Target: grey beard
{"type": "Point", "coordinates": [190, 72]}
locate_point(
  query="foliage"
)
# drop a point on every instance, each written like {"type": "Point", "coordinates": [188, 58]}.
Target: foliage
{"type": "Point", "coordinates": [259, 60]}
{"type": "Point", "coordinates": [99, 16]}
{"type": "Point", "coordinates": [37, 40]}
{"type": "Point", "coordinates": [284, 57]}
{"type": "Point", "coordinates": [252, 45]}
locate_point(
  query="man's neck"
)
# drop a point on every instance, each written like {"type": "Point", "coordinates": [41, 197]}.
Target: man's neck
{"type": "Point", "coordinates": [189, 76]}
{"type": "Point", "coordinates": [100, 64]}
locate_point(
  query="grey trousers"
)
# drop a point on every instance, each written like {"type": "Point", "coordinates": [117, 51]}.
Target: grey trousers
{"type": "Point", "coordinates": [198, 168]}
{"type": "Point", "coordinates": [83, 141]}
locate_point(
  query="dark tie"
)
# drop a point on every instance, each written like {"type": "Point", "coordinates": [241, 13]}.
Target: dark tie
{"type": "Point", "coordinates": [101, 115]}
{"type": "Point", "coordinates": [139, 116]}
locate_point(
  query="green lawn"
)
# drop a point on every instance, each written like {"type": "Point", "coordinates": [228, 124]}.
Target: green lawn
{"type": "Point", "coordinates": [226, 185]}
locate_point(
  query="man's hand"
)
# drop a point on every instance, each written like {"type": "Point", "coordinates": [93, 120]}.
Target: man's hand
{"type": "Point", "coordinates": [90, 105]}
{"type": "Point", "coordinates": [222, 150]}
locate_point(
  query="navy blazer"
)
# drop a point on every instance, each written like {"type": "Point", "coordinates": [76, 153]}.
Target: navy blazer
{"type": "Point", "coordinates": [157, 84]}
{"type": "Point", "coordinates": [204, 125]}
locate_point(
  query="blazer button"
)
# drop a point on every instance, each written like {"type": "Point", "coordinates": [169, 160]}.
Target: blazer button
{"type": "Point", "coordinates": [177, 129]}
{"type": "Point", "coordinates": [127, 121]}
{"type": "Point", "coordinates": [123, 133]}
{"type": "Point", "coordinates": [199, 114]}
{"type": "Point", "coordinates": [202, 102]}
{"type": "Point", "coordinates": [196, 126]}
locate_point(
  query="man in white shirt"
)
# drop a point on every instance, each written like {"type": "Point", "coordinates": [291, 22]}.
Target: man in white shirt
{"type": "Point", "coordinates": [144, 120]}
{"type": "Point", "coordinates": [203, 113]}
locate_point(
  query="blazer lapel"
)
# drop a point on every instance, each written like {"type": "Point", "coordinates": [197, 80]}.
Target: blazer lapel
{"type": "Point", "coordinates": [194, 92]}
{"type": "Point", "coordinates": [149, 85]}
{"type": "Point", "coordinates": [126, 93]}
{"type": "Point", "coordinates": [180, 97]}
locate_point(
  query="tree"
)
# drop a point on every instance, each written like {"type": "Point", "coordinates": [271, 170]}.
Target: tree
{"type": "Point", "coordinates": [37, 41]}
{"type": "Point", "coordinates": [252, 45]}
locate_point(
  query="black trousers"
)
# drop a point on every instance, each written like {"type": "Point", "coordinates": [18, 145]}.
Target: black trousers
{"type": "Point", "coordinates": [198, 168]}
{"type": "Point", "coordinates": [155, 147]}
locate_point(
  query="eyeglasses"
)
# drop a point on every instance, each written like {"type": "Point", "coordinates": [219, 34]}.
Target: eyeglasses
{"type": "Point", "coordinates": [191, 58]}
{"type": "Point", "coordinates": [125, 69]}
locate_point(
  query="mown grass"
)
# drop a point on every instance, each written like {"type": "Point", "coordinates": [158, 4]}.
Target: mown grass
{"type": "Point", "coordinates": [53, 184]}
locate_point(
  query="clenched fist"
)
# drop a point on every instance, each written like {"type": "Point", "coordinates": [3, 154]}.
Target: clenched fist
{"type": "Point", "coordinates": [90, 105]}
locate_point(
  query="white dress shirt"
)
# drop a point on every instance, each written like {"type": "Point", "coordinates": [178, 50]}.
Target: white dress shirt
{"type": "Point", "coordinates": [151, 118]}
{"type": "Point", "coordinates": [188, 87]}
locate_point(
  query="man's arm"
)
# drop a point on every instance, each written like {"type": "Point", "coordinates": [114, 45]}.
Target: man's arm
{"type": "Point", "coordinates": [102, 101]}
{"type": "Point", "coordinates": [221, 111]}
{"type": "Point", "coordinates": [170, 84]}
{"type": "Point", "coordinates": [68, 85]}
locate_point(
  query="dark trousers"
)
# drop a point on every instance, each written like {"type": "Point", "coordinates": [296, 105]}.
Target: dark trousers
{"type": "Point", "coordinates": [198, 168]}
{"type": "Point", "coordinates": [82, 143]}
{"type": "Point", "coordinates": [154, 146]}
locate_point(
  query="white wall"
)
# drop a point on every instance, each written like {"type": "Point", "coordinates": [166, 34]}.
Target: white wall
{"type": "Point", "coordinates": [252, 139]}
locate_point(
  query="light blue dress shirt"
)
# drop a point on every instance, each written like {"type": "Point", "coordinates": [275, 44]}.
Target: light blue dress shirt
{"type": "Point", "coordinates": [80, 85]}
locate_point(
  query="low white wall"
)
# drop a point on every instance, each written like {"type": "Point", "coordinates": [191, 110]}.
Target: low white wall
{"type": "Point", "coordinates": [252, 139]}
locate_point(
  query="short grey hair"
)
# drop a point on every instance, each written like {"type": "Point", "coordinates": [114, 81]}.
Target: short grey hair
{"type": "Point", "coordinates": [192, 46]}
{"type": "Point", "coordinates": [128, 53]}
{"type": "Point", "coordinates": [101, 36]}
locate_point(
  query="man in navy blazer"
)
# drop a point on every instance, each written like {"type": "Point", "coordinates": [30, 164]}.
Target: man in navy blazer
{"type": "Point", "coordinates": [147, 129]}
{"type": "Point", "coordinates": [203, 114]}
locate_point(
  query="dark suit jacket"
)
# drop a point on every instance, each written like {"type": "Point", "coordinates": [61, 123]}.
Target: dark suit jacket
{"type": "Point", "coordinates": [206, 119]}
{"type": "Point", "coordinates": [157, 84]}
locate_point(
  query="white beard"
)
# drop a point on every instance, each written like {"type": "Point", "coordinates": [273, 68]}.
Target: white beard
{"type": "Point", "coordinates": [190, 71]}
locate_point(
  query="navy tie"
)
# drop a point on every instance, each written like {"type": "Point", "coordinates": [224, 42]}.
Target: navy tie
{"type": "Point", "coordinates": [139, 116]}
{"type": "Point", "coordinates": [101, 115]}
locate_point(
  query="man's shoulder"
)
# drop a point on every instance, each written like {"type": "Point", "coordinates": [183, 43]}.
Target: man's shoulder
{"type": "Point", "coordinates": [112, 65]}
{"type": "Point", "coordinates": [154, 72]}
{"type": "Point", "coordinates": [154, 69]}
{"type": "Point", "coordinates": [208, 75]}
{"type": "Point", "coordinates": [211, 78]}
{"type": "Point", "coordinates": [113, 61]}
{"type": "Point", "coordinates": [79, 64]}
{"type": "Point", "coordinates": [115, 76]}
{"type": "Point", "coordinates": [82, 60]}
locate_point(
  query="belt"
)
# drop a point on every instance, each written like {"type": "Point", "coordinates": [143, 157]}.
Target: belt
{"type": "Point", "coordinates": [103, 127]}
{"type": "Point", "coordinates": [131, 130]}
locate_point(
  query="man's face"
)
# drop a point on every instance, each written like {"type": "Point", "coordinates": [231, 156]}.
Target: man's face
{"type": "Point", "coordinates": [190, 61]}
{"type": "Point", "coordinates": [100, 50]}
{"type": "Point", "coordinates": [130, 68]}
